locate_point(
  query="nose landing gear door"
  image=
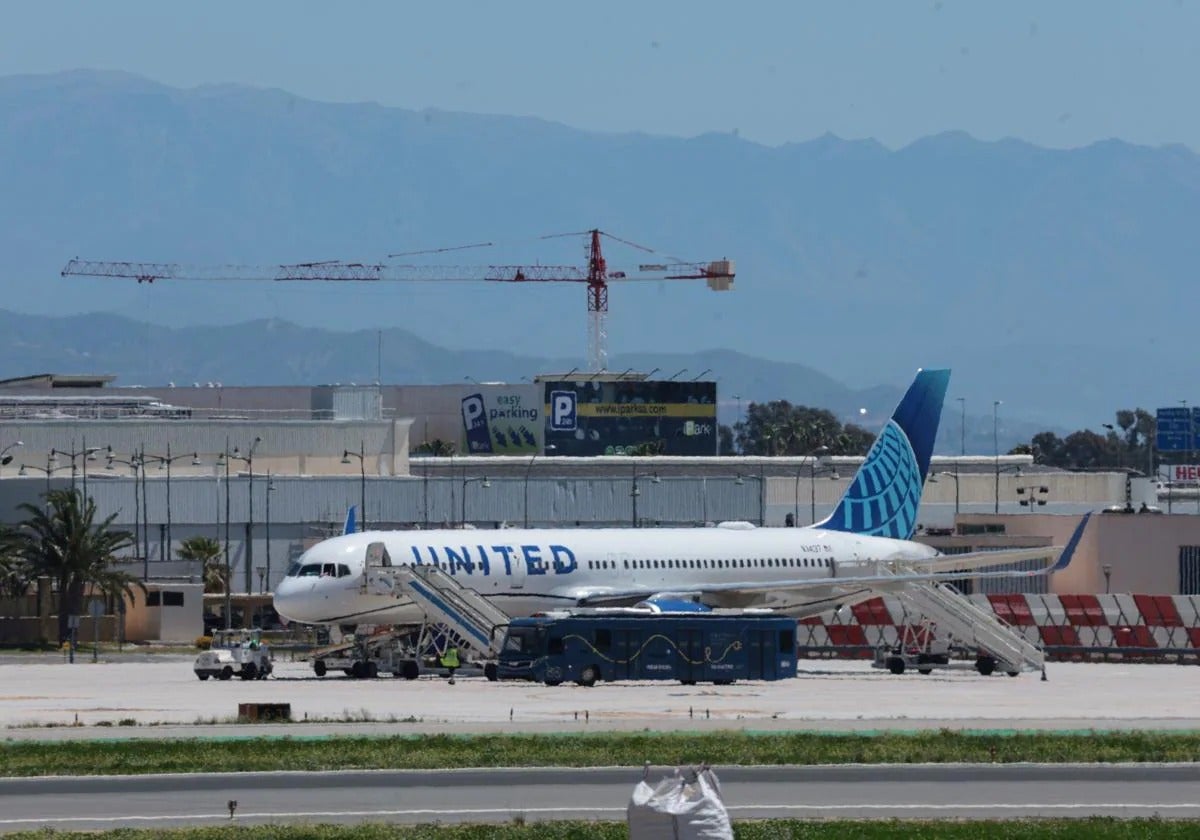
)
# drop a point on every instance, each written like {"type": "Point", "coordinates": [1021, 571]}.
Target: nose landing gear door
{"type": "Point", "coordinates": [376, 579]}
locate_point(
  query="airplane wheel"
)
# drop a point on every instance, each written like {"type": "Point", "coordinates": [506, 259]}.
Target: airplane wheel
{"type": "Point", "coordinates": [491, 672]}
{"type": "Point", "coordinates": [410, 670]}
{"type": "Point", "coordinates": [588, 677]}
{"type": "Point", "coordinates": [985, 665]}
{"type": "Point", "coordinates": [319, 668]}
{"type": "Point", "coordinates": [896, 665]}
{"type": "Point", "coordinates": [358, 670]}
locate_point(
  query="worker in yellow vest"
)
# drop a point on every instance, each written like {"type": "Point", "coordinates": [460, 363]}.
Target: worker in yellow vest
{"type": "Point", "coordinates": [450, 661]}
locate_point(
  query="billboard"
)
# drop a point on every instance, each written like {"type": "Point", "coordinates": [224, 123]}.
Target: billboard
{"type": "Point", "coordinates": [501, 420]}
{"type": "Point", "coordinates": [630, 417]}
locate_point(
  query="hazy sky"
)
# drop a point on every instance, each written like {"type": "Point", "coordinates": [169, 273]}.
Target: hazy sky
{"type": "Point", "coordinates": [1058, 74]}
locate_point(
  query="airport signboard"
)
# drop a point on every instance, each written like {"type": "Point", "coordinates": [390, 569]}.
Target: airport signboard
{"type": "Point", "coordinates": [629, 417]}
{"type": "Point", "coordinates": [1177, 429]}
{"type": "Point", "coordinates": [501, 420]}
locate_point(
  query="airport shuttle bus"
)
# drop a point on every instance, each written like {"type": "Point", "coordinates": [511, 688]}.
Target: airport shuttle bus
{"type": "Point", "coordinates": [586, 647]}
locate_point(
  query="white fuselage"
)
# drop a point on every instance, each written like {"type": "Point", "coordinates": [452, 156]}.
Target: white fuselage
{"type": "Point", "coordinates": [524, 571]}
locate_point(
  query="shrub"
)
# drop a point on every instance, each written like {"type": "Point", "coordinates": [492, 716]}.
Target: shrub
{"type": "Point", "coordinates": [204, 642]}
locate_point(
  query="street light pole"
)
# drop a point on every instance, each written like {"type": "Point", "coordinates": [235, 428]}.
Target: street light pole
{"type": "Point", "coordinates": [248, 458]}
{"type": "Point", "coordinates": [5, 458]}
{"type": "Point", "coordinates": [228, 569]}
{"type": "Point", "coordinates": [528, 470]}
{"type": "Point", "coordinates": [636, 491]}
{"type": "Point", "coordinates": [141, 466]}
{"type": "Point", "coordinates": [996, 446]}
{"type": "Point", "coordinates": [833, 474]}
{"type": "Point", "coordinates": [362, 478]}
{"type": "Point", "coordinates": [810, 456]}
{"type": "Point", "coordinates": [165, 462]}
{"type": "Point", "coordinates": [270, 489]}
{"type": "Point", "coordinates": [483, 483]}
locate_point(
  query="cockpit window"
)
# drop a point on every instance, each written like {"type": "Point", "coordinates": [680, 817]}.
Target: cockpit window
{"type": "Point", "coordinates": [343, 570]}
{"type": "Point", "coordinates": [310, 570]}
{"type": "Point", "coordinates": [293, 570]}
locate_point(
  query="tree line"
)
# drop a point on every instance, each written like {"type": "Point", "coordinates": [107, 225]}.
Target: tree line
{"type": "Point", "coordinates": [1127, 443]}
{"type": "Point", "coordinates": [780, 428]}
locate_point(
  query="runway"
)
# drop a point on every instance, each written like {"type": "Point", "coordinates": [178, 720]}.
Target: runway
{"type": "Point", "coordinates": [853, 792]}
{"type": "Point", "coordinates": [153, 697]}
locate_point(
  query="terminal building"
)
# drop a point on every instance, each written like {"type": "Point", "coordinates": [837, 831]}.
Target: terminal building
{"type": "Point", "coordinates": [268, 471]}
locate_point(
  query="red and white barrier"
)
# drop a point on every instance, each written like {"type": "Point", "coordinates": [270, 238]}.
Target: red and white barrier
{"type": "Point", "coordinates": [1066, 625]}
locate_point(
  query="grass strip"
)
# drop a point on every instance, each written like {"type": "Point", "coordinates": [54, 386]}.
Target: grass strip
{"type": "Point", "coordinates": [417, 752]}
{"type": "Point", "coordinates": [1092, 829]}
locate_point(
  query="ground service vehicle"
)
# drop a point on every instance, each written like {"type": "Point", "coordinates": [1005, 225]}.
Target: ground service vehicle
{"type": "Point", "coordinates": [233, 653]}
{"type": "Point", "coordinates": [613, 644]}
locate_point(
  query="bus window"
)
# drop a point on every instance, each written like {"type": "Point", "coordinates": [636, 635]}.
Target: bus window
{"type": "Point", "coordinates": [603, 639]}
{"type": "Point", "coordinates": [787, 641]}
{"type": "Point", "coordinates": [555, 645]}
{"type": "Point", "coordinates": [521, 640]}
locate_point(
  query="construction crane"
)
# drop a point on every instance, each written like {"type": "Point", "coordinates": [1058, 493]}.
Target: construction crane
{"type": "Point", "coordinates": [718, 275]}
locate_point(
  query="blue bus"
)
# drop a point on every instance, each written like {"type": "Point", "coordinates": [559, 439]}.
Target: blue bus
{"type": "Point", "coordinates": [589, 646]}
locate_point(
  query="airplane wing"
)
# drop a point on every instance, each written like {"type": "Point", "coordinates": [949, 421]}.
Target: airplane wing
{"type": "Point", "coordinates": [821, 588]}
{"type": "Point", "coordinates": [813, 592]}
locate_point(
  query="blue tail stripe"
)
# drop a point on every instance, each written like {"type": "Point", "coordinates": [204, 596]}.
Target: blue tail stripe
{"type": "Point", "coordinates": [885, 495]}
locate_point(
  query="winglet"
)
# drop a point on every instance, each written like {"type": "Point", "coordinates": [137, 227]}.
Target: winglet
{"type": "Point", "coordinates": [351, 525]}
{"type": "Point", "coordinates": [1064, 559]}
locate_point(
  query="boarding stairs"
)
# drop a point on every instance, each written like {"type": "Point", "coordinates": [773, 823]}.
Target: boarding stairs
{"type": "Point", "coordinates": [470, 620]}
{"type": "Point", "coordinates": [969, 624]}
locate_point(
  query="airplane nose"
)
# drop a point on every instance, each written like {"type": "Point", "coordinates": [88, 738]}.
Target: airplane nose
{"type": "Point", "coordinates": [288, 601]}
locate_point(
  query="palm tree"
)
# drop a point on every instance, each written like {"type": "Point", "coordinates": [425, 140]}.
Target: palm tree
{"type": "Point", "coordinates": [64, 543]}
{"type": "Point", "coordinates": [13, 580]}
{"type": "Point", "coordinates": [207, 552]}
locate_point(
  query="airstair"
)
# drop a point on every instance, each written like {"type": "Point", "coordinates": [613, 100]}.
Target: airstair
{"type": "Point", "coordinates": [469, 619]}
{"type": "Point", "coordinates": [969, 624]}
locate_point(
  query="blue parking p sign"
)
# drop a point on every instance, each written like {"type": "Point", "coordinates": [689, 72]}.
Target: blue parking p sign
{"type": "Point", "coordinates": [563, 411]}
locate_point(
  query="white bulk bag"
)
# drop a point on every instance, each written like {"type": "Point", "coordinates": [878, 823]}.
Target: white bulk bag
{"type": "Point", "coordinates": [680, 807]}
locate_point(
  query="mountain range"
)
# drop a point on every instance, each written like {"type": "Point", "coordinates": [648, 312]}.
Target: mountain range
{"type": "Point", "coordinates": [276, 352]}
{"type": "Point", "coordinates": [1046, 278]}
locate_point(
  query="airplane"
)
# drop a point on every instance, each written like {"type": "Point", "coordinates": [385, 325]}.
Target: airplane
{"type": "Point", "coordinates": [864, 548]}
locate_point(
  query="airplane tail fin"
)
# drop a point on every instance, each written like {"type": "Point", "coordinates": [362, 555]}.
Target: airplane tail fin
{"type": "Point", "coordinates": [885, 494]}
{"type": "Point", "coordinates": [351, 525]}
